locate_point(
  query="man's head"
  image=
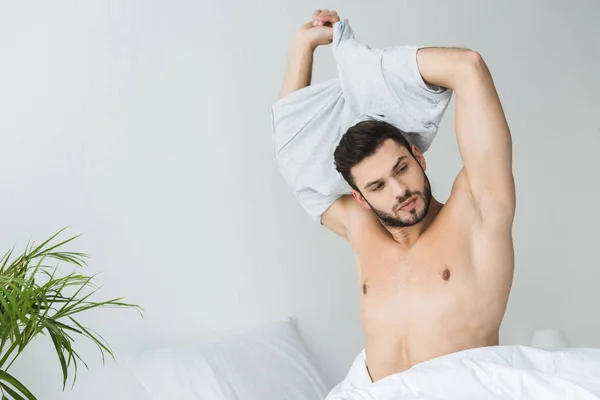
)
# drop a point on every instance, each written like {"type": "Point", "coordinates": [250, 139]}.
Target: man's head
{"type": "Point", "coordinates": [386, 173]}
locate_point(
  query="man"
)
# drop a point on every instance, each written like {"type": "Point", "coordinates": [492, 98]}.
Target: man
{"type": "Point", "coordinates": [435, 278]}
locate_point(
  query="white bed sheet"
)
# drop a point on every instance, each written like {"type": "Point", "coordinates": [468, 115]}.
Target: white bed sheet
{"type": "Point", "coordinates": [499, 372]}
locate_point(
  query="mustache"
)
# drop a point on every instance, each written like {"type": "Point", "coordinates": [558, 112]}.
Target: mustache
{"type": "Point", "coordinates": [406, 196]}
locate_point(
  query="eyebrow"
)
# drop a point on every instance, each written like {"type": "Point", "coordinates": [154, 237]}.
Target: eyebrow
{"type": "Point", "coordinates": [400, 159]}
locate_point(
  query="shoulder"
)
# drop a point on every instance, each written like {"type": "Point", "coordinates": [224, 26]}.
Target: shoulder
{"type": "Point", "coordinates": [358, 225]}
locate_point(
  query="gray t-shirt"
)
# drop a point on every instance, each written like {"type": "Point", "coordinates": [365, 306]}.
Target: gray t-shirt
{"type": "Point", "coordinates": [383, 84]}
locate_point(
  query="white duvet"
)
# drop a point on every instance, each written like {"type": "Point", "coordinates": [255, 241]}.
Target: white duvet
{"type": "Point", "coordinates": [499, 372]}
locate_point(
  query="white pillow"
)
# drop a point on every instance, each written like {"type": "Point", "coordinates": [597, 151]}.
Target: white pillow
{"type": "Point", "coordinates": [268, 363]}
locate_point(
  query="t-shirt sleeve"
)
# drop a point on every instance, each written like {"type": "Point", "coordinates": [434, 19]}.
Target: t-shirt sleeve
{"type": "Point", "coordinates": [306, 130]}
{"type": "Point", "coordinates": [422, 105]}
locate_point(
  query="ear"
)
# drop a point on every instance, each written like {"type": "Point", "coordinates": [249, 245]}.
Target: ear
{"type": "Point", "coordinates": [361, 200]}
{"type": "Point", "coordinates": [419, 157]}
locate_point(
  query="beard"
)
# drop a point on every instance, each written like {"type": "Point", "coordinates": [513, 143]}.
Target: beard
{"type": "Point", "coordinates": [392, 220]}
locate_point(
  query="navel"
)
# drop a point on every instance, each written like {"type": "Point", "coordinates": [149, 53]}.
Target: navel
{"type": "Point", "coordinates": [446, 274]}
{"type": "Point", "coordinates": [364, 288]}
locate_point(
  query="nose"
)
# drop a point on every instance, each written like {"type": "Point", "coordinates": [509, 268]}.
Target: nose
{"type": "Point", "coordinates": [398, 189]}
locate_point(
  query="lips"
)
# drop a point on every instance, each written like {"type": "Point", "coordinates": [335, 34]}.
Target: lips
{"type": "Point", "coordinates": [408, 202]}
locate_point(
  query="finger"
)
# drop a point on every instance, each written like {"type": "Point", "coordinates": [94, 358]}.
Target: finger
{"type": "Point", "coordinates": [322, 17]}
{"type": "Point", "coordinates": [327, 17]}
{"type": "Point", "coordinates": [316, 17]}
{"type": "Point", "coordinates": [330, 18]}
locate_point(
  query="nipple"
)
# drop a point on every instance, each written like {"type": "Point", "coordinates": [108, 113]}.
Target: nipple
{"type": "Point", "coordinates": [446, 274]}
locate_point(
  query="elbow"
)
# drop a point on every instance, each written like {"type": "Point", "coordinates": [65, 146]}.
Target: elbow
{"type": "Point", "coordinates": [472, 59]}
{"type": "Point", "coordinates": [472, 67]}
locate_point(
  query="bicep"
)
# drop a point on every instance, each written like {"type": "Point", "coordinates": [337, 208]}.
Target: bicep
{"type": "Point", "coordinates": [485, 142]}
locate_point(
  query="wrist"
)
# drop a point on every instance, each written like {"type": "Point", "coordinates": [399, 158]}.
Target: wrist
{"type": "Point", "coordinates": [303, 43]}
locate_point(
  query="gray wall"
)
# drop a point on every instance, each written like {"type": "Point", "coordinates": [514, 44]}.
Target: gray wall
{"type": "Point", "coordinates": [145, 126]}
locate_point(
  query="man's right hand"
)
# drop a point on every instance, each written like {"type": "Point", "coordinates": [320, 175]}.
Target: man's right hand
{"type": "Point", "coordinates": [311, 35]}
{"type": "Point", "coordinates": [319, 31]}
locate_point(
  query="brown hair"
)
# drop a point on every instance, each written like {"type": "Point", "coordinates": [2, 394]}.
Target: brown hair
{"type": "Point", "coordinates": [361, 141]}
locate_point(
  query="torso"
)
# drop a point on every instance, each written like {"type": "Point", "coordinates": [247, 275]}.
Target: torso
{"type": "Point", "coordinates": [447, 293]}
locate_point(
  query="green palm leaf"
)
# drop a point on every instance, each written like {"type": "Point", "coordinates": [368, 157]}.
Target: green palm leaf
{"type": "Point", "coordinates": [36, 299]}
{"type": "Point", "coordinates": [19, 391]}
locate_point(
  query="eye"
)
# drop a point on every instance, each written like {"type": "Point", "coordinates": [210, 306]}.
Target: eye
{"type": "Point", "coordinates": [402, 168]}
{"type": "Point", "coordinates": [378, 187]}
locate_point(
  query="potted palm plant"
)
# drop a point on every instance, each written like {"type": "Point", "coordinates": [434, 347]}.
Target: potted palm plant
{"type": "Point", "coordinates": [36, 299]}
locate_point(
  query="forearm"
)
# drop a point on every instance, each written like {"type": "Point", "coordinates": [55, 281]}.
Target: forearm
{"type": "Point", "coordinates": [299, 69]}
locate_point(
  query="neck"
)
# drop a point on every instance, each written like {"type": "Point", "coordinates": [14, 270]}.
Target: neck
{"type": "Point", "coordinates": [409, 235]}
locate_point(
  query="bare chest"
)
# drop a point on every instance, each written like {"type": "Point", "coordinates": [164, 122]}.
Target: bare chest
{"type": "Point", "coordinates": [430, 283]}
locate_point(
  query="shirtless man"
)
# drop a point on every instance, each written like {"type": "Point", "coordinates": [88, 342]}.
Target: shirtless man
{"type": "Point", "coordinates": [435, 278]}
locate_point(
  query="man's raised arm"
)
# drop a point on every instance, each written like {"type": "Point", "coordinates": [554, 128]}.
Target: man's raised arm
{"type": "Point", "coordinates": [298, 75]}
{"type": "Point", "coordinates": [483, 135]}
{"type": "Point", "coordinates": [310, 35]}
